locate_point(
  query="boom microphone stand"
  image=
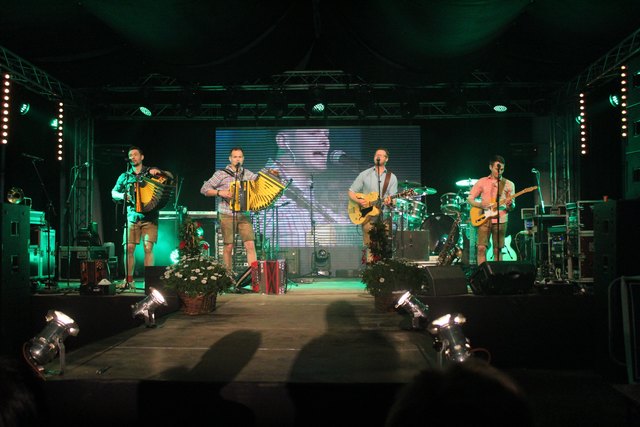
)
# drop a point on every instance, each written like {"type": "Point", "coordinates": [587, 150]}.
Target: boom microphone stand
{"type": "Point", "coordinates": [51, 212]}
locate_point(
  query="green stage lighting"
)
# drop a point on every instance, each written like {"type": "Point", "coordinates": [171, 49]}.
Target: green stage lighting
{"type": "Point", "coordinates": [53, 123]}
{"type": "Point", "coordinates": [24, 108]}
{"type": "Point", "coordinates": [144, 110]}
{"type": "Point", "coordinates": [614, 100]}
{"type": "Point", "coordinates": [175, 256]}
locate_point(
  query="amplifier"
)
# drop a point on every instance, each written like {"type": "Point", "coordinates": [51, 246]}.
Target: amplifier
{"type": "Point", "coordinates": [269, 277]}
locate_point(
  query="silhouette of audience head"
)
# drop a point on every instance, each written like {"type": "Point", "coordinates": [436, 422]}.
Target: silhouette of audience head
{"type": "Point", "coordinates": [20, 395]}
{"type": "Point", "coordinates": [464, 394]}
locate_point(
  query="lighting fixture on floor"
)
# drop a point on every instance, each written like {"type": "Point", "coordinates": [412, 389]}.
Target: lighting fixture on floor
{"type": "Point", "coordinates": [147, 307]}
{"type": "Point", "coordinates": [415, 307]}
{"type": "Point", "coordinates": [44, 347]}
{"type": "Point", "coordinates": [449, 338]}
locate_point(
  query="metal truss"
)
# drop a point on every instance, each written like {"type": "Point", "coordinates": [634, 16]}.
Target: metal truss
{"type": "Point", "coordinates": [605, 67]}
{"type": "Point", "coordinates": [33, 78]}
{"type": "Point", "coordinates": [285, 97]}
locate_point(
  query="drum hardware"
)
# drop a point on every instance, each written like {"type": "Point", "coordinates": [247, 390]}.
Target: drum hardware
{"type": "Point", "coordinates": [466, 182]}
{"type": "Point", "coordinates": [15, 195]}
{"type": "Point", "coordinates": [409, 184]}
{"type": "Point", "coordinates": [450, 203]}
{"type": "Point", "coordinates": [425, 191]}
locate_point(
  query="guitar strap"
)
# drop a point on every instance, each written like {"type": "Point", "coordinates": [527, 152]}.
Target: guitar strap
{"type": "Point", "coordinates": [386, 184]}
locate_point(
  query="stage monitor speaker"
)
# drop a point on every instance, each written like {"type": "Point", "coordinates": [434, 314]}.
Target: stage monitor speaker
{"type": "Point", "coordinates": [503, 278]}
{"type": "Point", "coordinates": [413, 245]}
{"type": "Point", "coordinates": [152, 278]}
{"type": "Point", "coordinates": [446, 280]}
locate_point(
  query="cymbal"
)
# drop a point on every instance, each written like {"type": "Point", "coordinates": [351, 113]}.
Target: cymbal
{"type": "Point", "coordinates": [466, 182]}
{"type": "Point", "coordinates": [408, 184]}
{"type": "Point", "coordinates": [425, 191]}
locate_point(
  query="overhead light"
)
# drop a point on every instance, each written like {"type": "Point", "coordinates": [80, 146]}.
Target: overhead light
{"type": "Point", "coordinates": [449, 338]}
{"type": "Point", "coordinates": [147, 307]}
{"type": "Point", "coordinates": [144, 110]}
{"type": "Point", "coordinates": [53, 123]}
{"type": "Point", "coordinates": [500, 108]}
{"type": "Point", "coordinates": [316, 104]}
{"type": "Point", "coordinates": [415, 307]}
{"type": "Point", "coordinates": [24, 108]}
{"type": "Point", "coordinates": [44, 347]}
{"type": "Point", "coordinates": [614, 100]}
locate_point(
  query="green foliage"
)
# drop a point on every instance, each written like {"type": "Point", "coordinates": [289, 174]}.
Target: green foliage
{"type": "Point", "coordinates": [388, 275]}
{"type": "Point", "coordinates": [379, 245]}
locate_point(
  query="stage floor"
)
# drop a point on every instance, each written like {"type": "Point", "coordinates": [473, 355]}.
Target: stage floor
{"type": "Point", "coordinates": [304, 357]}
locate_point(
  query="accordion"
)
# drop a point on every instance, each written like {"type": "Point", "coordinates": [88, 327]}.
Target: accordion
{"type": "Point", "coordinates": [153, 193]}
{"type": "Point", "coordinates": [258, 194]}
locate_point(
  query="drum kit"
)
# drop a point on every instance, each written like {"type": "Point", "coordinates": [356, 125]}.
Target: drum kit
{"type": "Point", "coordinates": [412, 214]}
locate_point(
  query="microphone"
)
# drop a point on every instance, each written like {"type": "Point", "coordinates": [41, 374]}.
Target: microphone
{"type": "Point", "coordinates": [340, 158]}
{"type": "Point", "coordinates": [34, 158]}
{"type": "Point", "coordinates": [534, 170]}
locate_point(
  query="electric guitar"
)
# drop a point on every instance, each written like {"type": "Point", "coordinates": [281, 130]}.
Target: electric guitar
{"type": "Point", "coordinates": [479, 216]}
{"type": "Point", "coordinates": [358, 214]}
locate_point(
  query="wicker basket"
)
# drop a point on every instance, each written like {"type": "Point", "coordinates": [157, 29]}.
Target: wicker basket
{"type": "Point", "coordinates": [201, 304]}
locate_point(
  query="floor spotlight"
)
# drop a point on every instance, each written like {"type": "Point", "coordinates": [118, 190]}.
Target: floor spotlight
{"type": "Point", "coordinates": [449, 338]}
{"type": "Point", "coordinates": [44, 347]}
{"type": "Point", "coordinates": [414, 307]}
{"type": "Point", "coordinates": [147, 307]}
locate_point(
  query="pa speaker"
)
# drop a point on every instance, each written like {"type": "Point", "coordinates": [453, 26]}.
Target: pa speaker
{"type": "Point", "coordinates": [503, 278]}
{"type": "Point", "coordinates": [446, 280]}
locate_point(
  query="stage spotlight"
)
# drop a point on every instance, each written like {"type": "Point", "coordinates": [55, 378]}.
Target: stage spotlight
{"type": "Point", "coordinates": [145, 110]}
{"type": "Point", "coordinates": [614, 100]}
{"type": "Point", "coordinates": [174, 256]}
{"type": "Point", "coordinates": [147, 307]}
{"type": "Point", "coordinates": [53, 123]}
{"type": "Point", "coordinates": [415, 307]}
{"type": "Point", "coordinates": [15, 195]}
{"type": "Point", "coordinates": [24, 108]}
{"type": "Point", "coordinates": [316, 105]}
{"type": "Point", "coordinates": [449, 338]}
{"type": "Point", "coordinates": [42, 348]}
{"type": "Point", "coordinates": [322, 262]}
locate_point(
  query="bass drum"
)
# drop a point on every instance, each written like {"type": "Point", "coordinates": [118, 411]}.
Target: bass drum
{"type": "Point", "coordinates": [439, 225]}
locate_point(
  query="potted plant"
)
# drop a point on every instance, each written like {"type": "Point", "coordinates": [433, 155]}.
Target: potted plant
{"type": "Point", "coordinates": [386, 278]}
{"type": "Point", "coordinates": [197, 277]}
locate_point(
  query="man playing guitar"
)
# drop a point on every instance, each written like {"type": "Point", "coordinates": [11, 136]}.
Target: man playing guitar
{"type": "Point", "coordinates": [484, 196]}
{"type": "Point", "coordinates": [376, 179]}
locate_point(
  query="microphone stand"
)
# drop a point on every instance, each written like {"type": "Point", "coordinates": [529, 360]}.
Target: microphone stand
{"type": "Point", "coordinates": [50, 212]}
{"type": "Point", "coordinates": [67, 203]}
{"type": "Point", "coordinates": [496, 248]}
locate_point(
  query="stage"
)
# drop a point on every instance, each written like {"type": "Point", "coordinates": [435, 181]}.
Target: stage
{"type": "Point", "coordinates": [310, 355]}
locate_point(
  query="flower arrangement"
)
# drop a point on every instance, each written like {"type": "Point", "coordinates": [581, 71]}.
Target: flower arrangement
{"type": "Point", "coordinates": [195, 273]}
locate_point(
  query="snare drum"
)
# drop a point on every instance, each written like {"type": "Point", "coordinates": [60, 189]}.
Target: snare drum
{"type": "Point", "coordinates": [412, 209]}
{"type": "Point", "coordinates": [450, 203]}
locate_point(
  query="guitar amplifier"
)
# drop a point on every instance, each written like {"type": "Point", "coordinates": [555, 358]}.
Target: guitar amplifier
{"type": "Point", "coordinates": [269, 277]}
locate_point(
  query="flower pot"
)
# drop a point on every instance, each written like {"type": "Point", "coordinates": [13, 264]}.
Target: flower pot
{"type": "Point", "coordinates": [386, 302]}
{"type": "Point", "coordinates": [200, 304]}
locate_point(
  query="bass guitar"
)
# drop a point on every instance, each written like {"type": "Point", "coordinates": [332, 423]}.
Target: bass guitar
{"type": "Point", "coordinates": [479, 216]}
{"type": "Point", "coordinates": [358, 214]}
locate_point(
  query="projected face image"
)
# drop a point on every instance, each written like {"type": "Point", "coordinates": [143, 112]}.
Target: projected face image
{"type": "Point", "coordinates": [304, 148]}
